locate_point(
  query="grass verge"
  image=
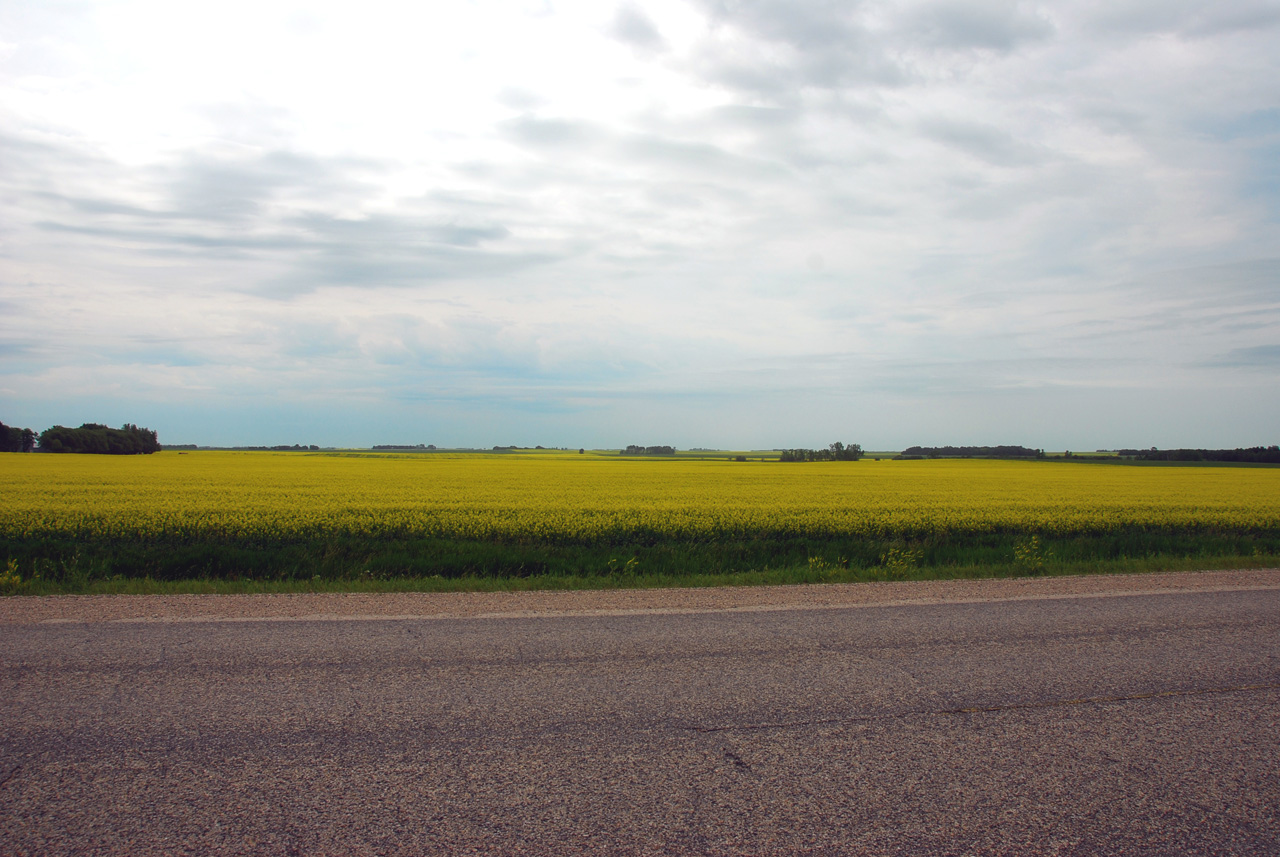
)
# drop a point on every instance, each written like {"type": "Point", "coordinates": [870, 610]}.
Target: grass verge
{"type": "Point", "coordinates": [51, 566]}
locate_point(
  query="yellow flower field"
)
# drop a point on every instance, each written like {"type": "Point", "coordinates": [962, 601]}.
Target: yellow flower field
{"type": "Point", "coordinates": [570, 498]}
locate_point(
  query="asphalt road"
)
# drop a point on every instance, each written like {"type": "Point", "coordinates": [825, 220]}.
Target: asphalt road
{"type": "Point", "coordinates": [1140, 724]}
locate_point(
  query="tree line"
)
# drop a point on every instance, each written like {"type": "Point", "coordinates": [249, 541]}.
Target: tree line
{"type": "Point", "coordinates": [1251, 455]}
{"type": "Point", "coordinates": [649, 450]}
{"type": "Point", "coordinates": [970, 452]}
{"type": "Point", "coordinates": [834, 452]}
{"type": "Point", "coordinates": [92, 438]}
{"type": "Point", "coordinates": [14, 439]}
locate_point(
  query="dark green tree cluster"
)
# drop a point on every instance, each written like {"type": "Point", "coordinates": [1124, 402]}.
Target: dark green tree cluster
{"type": "Point", "coordinates": [649, 450]}
{"type": "Point", "coordinates": [98, 439]}
{"type": "Point", "coordinates": [971, 452]}
{"type": "Point", "coordinates": [835, 452]}
{"type": "Point", "coordinates": [13, 439]}
{"type": "Point", "coordinates": [1252, 455]}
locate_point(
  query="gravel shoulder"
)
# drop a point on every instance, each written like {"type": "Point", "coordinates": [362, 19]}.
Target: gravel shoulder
{"type": "Point", "coordinates": [453, 605]}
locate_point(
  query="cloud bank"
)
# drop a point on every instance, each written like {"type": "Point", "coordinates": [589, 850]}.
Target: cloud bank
{"type": "Point", "coordinates": [708, 223]}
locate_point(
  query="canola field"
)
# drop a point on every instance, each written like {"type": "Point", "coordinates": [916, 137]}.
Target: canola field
{"type": "Point", "coordinates": [546, 512]}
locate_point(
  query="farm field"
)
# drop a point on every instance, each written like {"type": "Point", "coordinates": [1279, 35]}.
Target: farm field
{"type": "Point", "coordinates": [93, 523]}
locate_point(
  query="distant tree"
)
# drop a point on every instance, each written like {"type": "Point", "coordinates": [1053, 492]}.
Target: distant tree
{"type": "Point", "coordinates": [840, 452]}
{"type": "Point", "coordinates": [971, 452]}
{"type": "Point", "coordinates": [13, 439]}
{"type": "Point", "coordinates": [97, 439]}
{"type": "Point", "coordinates": [835, 452]}
{"type": "Point", "coordinates": [1251, 455]}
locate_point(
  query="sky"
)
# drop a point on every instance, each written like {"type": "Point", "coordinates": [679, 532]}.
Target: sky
{"type": "Point", "coordinates": [713, 223]}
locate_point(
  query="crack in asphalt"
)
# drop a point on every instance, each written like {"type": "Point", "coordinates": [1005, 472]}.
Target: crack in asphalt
{"type": "Point", "coordinates": [987, 709]}
{"type": "Point", "coordinates": [750, 727]}
{"type": "Point", "coordinates": [1094, 700]}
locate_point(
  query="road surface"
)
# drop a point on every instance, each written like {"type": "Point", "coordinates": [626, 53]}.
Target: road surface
{"type": "Point", "coordinates": [1091, 724]}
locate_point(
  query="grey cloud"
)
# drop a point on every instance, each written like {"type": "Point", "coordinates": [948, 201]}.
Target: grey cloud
{"type": "Point", "coordinates": [469, 346]}
{"type": "Point", "coordinates": [1256, 357]}
{"type": "Point", "coordinates": [479, 205]}
{"type": "Point", "coordinates": [157, 354]}
{"type": "Point", "coordinates": [39, 166]}
{"type": "Point", "coordinates": [223, 210]}
{"type": "Point", "coordinates": [97, 207]}
{"type": "Point", "coordinates": [773, 133]}
{"type": "Point", "coordinates": [21, 153]}
{"type": "Point", "coordinates": [791, 45]}
{"type": "Point", "coordinates": [1255, 280]}
{"type": "Point", "coordinates": [310, 340]}
{"type": "Point", "coordinates": [169, 242]}
{"type": "Point", "coordinates": [978, 376]}
{"type": "Point", "coordinates": [813, 23]}
{"type": "Point", "coordinates": [1222, 18]}
{"type": "Point", "coordinates": [220, 209]}
{"type": "Point", "coordinates": [852, 205]}
{"type": "Point", "coordinates": [899, 375]}
{"type": "Point", "coordinates": [398, 252]}
{"type": "Point", "coordinates": [781, 78]}
{"type": "Point", "coordinates": [676, 196]}
{"type": "Point", "coordinates": [393, 251]}
{"type": "Point", "coordinates": [215, 188]}
{"type": "Point", "coordinates": [1187, 18]}
{"type": "Point", "coordinates": [1203, 310]}
{"type": "Point", "coordinates": [535, 132]}
{"type": "Point", "coordinates": [206, 189]}
{"type": "Point", "coordinates": [699, 156]}
{"type": "Point", "coordinates": [985, 142]}
{"type": "Point", "coordinates": [832, 45]}
{"type": "Point", "coordinates": [558, 137]}
{"type": "Point", "coordinates": [1249, 126]}
{"type": "Point", "coordinates": [756, 117]}
{"type": "Point", "coordinates": [521, 398]}
{"type": "Point", "coordinates": [1182, 320]}
{"type": "Point", "coordinates": [17, 348]}
{"type": "Point", "coordinates": [633, 27]}
{"type": "Point", "coordinates": [362, 268]}
{"type": "Point", "coordinates": [1000, 25]}
{"type": "Point", "coordinates": [396, 231]}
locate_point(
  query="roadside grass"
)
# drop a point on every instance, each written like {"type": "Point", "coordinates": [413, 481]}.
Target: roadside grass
{"type": "Point", "coordinates": [68, 569]}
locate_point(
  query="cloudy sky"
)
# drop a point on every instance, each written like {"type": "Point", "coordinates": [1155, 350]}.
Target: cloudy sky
{"type": "Point", "coordinates": [710, 223]}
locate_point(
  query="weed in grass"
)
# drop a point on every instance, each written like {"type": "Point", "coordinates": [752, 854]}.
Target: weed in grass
{"type": "Point", "coordinates": [623, 569]}
{"type": "Point", "coordinates": [822, 569]}
{"type": "Point", "coordinates": [898, 563]}
{"type": "Point", "coordinates": [1030, 555]}
{"type": "Point", "coordinates": [10, 579]}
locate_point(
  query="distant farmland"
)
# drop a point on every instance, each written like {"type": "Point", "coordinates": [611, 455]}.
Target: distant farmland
{"type": "Point", "coordinates": [88, 523]}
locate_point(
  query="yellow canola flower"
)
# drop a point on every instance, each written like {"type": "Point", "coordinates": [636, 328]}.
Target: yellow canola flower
{"type": "Point", "coordinates": [571, 498]}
